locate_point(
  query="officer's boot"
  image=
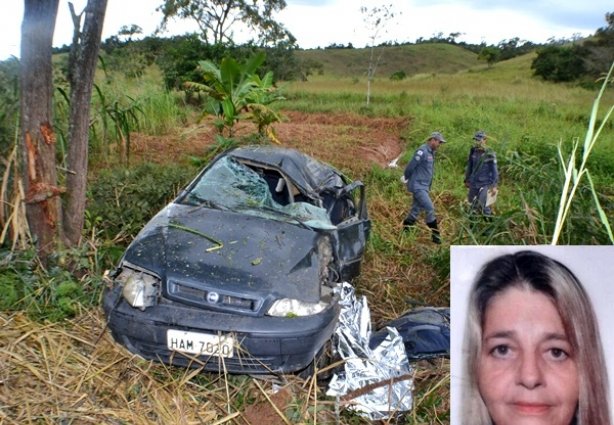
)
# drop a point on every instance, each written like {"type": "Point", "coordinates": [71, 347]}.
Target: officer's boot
{"type": "Point", "coordinates": [408, 223]}
{"type": "Point", "coordinates": [435, 236]}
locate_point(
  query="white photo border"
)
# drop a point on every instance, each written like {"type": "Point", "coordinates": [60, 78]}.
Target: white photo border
{"type": "Point", "coordinates": [593, 266]}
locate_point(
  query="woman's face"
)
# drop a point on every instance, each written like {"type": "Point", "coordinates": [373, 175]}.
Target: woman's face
{"type": "Point", "coordinates": [527, 374]}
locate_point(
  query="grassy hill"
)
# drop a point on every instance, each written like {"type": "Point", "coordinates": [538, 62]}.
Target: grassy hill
{"type": "Point", "coordinates": [412, 59]}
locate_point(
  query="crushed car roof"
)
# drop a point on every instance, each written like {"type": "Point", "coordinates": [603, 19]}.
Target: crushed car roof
{"type": "Point", "coordinates": [311, 175]}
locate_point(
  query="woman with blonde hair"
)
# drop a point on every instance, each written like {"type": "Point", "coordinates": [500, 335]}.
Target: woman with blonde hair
{"type": "Point", "coordinates": [532, 347]}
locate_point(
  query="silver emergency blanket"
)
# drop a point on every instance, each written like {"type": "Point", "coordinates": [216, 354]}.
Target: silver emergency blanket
{"type": "Point", "coordinates": [377, 383]}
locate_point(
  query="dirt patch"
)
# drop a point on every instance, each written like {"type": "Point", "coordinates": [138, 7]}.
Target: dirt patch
{"type": "Point", "coordinates": [269, 411]}
{"type": "Point", "coordinates": [348, 141]}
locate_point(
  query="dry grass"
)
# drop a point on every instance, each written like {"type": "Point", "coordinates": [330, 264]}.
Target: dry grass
{"type": "Point", "coordinates": [73, 373]}
{"type": "Point", "coordinates": [14, 229]}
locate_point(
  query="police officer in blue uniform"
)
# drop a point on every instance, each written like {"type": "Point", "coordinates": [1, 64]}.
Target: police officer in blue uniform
{"type": "Point", "coordinates": [481, 174]}
{"type": "Point", "coordinates": [418, 176]}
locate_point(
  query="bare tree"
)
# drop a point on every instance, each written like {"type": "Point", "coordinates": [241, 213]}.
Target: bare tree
{"type": "Point", "coordinates": [37, 136]}
{"type": "Point", "coordinates": [375, 19]}
{"type": "Point", "coordinates": [215, 18]}
{"type": "Point", "coordinates": [82, 67]}
{"type": "Point", "coordinates": [43, 207]}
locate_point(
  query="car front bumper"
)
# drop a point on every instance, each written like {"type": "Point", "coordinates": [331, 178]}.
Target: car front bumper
{"type": "Point", "coordinates": [265, 344]}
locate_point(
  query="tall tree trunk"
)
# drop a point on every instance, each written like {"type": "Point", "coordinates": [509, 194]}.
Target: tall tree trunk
{"type": "Point", "coordinates": [83, 60]}
{"type": "Point", "coordinates": [38, 139]}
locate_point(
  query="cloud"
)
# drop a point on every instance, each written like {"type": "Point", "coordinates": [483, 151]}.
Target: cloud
{"type": "Point", "coordinates": [320, 23]}
{"type": "Point", "coordinates": [316, 3]}
{"type": "Point", "coordinates": [585, 15]}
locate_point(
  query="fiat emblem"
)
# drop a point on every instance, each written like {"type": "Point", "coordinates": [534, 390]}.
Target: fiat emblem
{"type": "Point", "coordinates": [213, 297]}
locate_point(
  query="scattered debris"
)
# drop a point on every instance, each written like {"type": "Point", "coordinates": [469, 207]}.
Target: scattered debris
{"type": "Point", "coordinates": [395, 162]}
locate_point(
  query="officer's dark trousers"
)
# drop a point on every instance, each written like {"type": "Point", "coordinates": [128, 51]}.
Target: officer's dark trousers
{"type": "Point", "coordinates": [421, 202]}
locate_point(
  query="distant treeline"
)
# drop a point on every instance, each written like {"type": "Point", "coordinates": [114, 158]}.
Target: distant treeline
{"type": "Point", "coordinates": [178, 57]}
{"type": "Point", "coordinates": [507, 49]}
{"type": "Point", "coordinates": [559, 60]}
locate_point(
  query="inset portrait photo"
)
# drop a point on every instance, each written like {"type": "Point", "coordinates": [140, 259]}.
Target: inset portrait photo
{"type": "Point", "coordinates": [532, 335]}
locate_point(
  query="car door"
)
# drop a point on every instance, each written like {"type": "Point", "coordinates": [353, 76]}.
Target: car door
{"type": "Point", "coordinates": [349, 213]}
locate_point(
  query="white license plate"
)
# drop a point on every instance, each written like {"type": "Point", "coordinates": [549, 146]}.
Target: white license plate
{"type": "Point", "coordinates": [199, 343]}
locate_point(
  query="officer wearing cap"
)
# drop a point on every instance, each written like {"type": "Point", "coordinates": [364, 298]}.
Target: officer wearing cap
{"type": "Point", "coordinates": [481, 175]}
{"type": "Point", "coordinates": [418, 176]}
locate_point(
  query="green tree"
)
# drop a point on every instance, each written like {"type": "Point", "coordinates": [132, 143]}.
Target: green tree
{"type": "Point", "coordinates": [263, 94]}
{"type": "Point", "coordinates": [490, 54]}
{"type": "Point", "coordinates": [584, 62]}
{"type": "Point", "coordinates": [179, 57]}
{"type": "Point", "coordinates": [128, 32]}
{"type": "Point", "coordinates": [215, 18]}
{"type": "Point", "coordinates": [559, 63]}
{"type": "Point", "coordinates": [605, 35]}
{"type": "Point", "coordinates": [284, 64]}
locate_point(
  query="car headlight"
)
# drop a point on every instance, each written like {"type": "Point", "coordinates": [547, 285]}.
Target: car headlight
{"type": "Point", "coordinates": [288, 307]}
{"type": "Point", "coordinates": [140, 289]}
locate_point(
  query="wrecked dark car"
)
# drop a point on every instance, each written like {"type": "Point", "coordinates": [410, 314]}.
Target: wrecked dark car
{"type": "Point", "coordinates": [238, 273]}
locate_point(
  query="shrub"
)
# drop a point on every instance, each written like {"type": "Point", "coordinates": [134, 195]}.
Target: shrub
{"type": "Point", "coordinates": [9, 103]}
{"type": "Point", "coordinates": [44, 294]}
{"type": "Point", "coordinates": [398, 76]}
{"type": "Point", "coordinates": [559, 64]}
{"type": "Point", "coordinates": [180, 56]}
{"type": "Point", "coordinates": [125, 199]}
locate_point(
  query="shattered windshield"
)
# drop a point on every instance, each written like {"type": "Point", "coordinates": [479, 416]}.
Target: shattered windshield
{"type": "Point", "coordinates": [231, 185]}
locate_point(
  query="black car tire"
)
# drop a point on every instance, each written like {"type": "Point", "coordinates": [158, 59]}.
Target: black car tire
{"type": "Point", "coordinates": [326, 357]}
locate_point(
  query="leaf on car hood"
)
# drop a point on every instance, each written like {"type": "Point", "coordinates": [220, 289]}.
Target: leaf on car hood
{"type": "Point", "coordinates": [218, 244]}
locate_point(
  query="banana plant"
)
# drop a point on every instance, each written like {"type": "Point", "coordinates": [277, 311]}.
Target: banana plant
{"type": "Point", "coordinates": [235, 88]}
{"type": "Point", "coordinates": [259, 111]}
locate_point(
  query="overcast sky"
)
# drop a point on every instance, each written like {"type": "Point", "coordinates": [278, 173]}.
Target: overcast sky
{"type": "Point", "coordinates": [319, 23]}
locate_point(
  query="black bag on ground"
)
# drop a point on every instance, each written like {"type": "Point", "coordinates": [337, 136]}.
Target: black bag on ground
{"type": "Point", "coordinates": [425, 332]}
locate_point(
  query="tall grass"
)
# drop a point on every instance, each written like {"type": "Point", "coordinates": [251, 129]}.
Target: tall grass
{"type": "Point", "coordinates": [163, 112]}
{"type": "Point", "coordinates": [123, 105]}
{"type": "Point", "coordinates": [574, 174]}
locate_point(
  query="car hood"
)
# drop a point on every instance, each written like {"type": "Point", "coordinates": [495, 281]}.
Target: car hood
{"type": "Point", "coordinates": [206, 248]}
